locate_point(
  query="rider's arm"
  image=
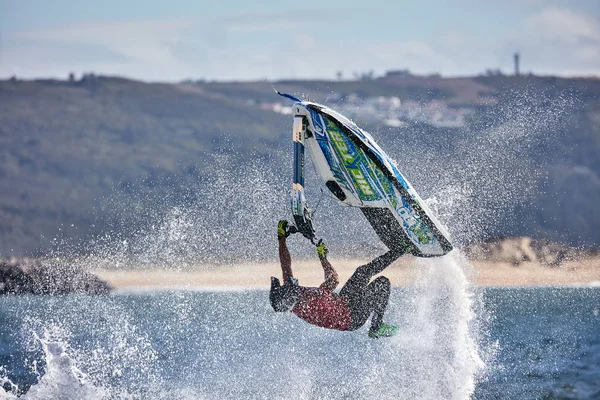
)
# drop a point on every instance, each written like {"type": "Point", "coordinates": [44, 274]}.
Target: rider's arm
{"type": "Point", "coordinates": [285, 259]}
{"type": "Point", "coordinates": [331, 277]}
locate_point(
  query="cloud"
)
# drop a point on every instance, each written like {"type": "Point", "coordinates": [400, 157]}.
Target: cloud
{"type": "Point", "coordinates": [146, 41]}
{"type": "Point", "coordinates": [164, 50]}
{"type": "Point", "coordinates": [275, 46]}
{"type": "Point", "coordinates": [558, 39]}
{"type": "Point", "coordinates": [307, 55]}
{"type": "Point", "coordinates": [133, 48]}
{"type": "Point", "coordinates": [562, 27]}
{"type": "Point", "coordinates": [551, 40]}
{"type": "Point", "coordinates": [280, 21]}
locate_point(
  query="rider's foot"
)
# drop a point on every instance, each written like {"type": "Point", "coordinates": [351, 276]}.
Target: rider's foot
{"type": "Point", "coordinates": [384, 330]}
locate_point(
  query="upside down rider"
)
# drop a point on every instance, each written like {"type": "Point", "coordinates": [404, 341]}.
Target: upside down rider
{"type": "Point", "coordinates": [347, 310]}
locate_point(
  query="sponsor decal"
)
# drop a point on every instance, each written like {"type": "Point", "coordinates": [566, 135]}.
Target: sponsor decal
{"type": "Point", "coordinates": [334, 166]}
{"type": "Point", "coordinates": [361, 182]}
{"type": "Point", "coordinates": [316, 120]}
{"type": "Point", "coordinates": [386, 186]}
{"type": "Point", "coordinates": [415, 224]}
{"type": "Point", "coordinates": [355, 162]}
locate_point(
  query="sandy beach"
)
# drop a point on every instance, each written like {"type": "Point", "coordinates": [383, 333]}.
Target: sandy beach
{"type": "Point", "coordinates": [309, 273]}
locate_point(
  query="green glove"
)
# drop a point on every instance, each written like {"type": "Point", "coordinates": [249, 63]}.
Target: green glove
{"type": "Point", "coordinates": [322, 249]}
{"type": "Point", "coordinates": [284, 229]}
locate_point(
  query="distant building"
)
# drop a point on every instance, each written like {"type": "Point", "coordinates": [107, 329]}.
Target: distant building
{"type": "Point", "coordinates": [516, 57]}
{"type": "Point", "coordinates": [400, 73]}
{"type": "Point", "coordinates": [367, 76]}
{"type": "Point", "coordinates": [493, 72]}
{"type": "Point", "coordinates": [89, 77]}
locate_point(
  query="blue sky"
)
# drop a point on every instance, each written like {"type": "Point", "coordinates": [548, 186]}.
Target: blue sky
{"type": "Point", "coordinates": [240, 40]}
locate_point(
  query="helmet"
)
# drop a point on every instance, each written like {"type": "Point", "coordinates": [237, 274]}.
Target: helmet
{"type": "Point", "coordinates": [284, 297]}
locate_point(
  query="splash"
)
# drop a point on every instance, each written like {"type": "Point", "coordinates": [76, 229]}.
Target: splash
{"type": "Point", "coordinates": [437, 355]}
{"type": "Point", "coordinates": [234, 210]}
{"type": "Point", "coordinates": [443, 319]}
{"type": "Point", "coordinates": [80, 347]}
{"type": "Point", "coordinates": [11, 389]}
{"type": "Point", "coordinates": [60, 376]}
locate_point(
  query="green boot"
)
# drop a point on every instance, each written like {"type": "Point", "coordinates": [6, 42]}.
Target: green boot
{"type": "Point", "coordinates": [385, 330]}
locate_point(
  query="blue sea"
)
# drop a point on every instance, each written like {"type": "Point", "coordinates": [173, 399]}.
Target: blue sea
{"type": "Point", "coordinates": [456, 342]}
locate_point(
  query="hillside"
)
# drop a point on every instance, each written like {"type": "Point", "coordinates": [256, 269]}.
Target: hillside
{"type": "Point", "coordinates": [68, 147]}
{"type": "Point", "coordinates": [110, 160]}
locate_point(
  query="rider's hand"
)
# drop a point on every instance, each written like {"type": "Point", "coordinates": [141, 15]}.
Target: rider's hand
{"type": "Point", "coordinates": [322, 249]}
{"type": "Point", "coordinates": [284, 229]}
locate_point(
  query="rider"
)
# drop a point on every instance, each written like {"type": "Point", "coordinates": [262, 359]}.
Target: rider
{"type": "Point", "coordinates": [346, 311]}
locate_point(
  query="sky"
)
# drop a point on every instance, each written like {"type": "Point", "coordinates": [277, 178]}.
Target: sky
{"type": "Point", "coordinates": [232, 40]}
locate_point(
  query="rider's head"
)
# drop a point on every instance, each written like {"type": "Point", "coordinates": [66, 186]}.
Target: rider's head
{"type": "Point", "coordinates": [284, 297]}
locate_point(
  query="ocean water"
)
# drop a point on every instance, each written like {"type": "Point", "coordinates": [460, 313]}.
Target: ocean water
{"type": "Point", "coordinates": [456, 342]}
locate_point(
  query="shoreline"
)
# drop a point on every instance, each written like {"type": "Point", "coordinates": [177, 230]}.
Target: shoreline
{"type": "Point", "coordinates": [402, 273]}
